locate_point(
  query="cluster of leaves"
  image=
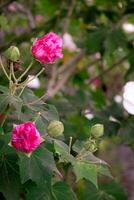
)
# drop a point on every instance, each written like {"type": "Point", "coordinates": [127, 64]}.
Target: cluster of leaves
{"type": "Point", "coordinates": [34, 177]}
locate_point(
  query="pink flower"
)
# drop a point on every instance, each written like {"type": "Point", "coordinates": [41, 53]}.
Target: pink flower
{"type": "Point", "coordinates": [47, 48]}
{"type": "Point", "coordinates": [25, 137]}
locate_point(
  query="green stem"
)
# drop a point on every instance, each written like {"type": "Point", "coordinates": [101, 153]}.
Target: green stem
{"type": "Point", "coordinates": [36, 101]}
{"type": "Point", "coordinates": [23, 74]}
{"type": "Point", "coordinates": [70, 144]}
{"type": "Point", "coordinates": [27, 81]}
{"type": "Point", "coordinates": [40, 72]}
{"type": "Point", "coordinates": [37, 117]}
{"type": "Point", "coordinates": [6, 115]}
{"type": "Point", "coordinates": [12, 71]}
{"type": "Point", "coordinates": [4, 69]}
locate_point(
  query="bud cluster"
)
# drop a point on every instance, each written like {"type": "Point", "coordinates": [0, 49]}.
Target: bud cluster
{"type": "Point", "coordinates": [95, 133]}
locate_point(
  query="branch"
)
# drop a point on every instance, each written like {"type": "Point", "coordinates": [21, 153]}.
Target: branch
{"type": "Point", "coordinates": [27, 35]}
{"type": "Point", "coordinates": [108, 70]}
{"type": "Point", "coordinates": [71, 62]}
{"type": "Point", "coordinates": [70, 69]}
{"type": "Point", "coordinates": [5, 4]}
{"type": "Point", "coordinates": [21, 8]}
{"type": "Point", "coordinates": [67, 18]}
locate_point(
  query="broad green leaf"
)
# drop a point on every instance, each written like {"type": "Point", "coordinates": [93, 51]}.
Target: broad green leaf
{"type": "Point", "coordinates": [29, 97]}
{"type": "Point", "coordinates": [63, 192]}
{"type": "Point", "coordinates": [104, 170]}
{"type": "Point", "coordinates": [88, 191]}
{"type": "Point", "coordinates": [115, 39]}
{"type": "Point", "coordinates": [85, 170]}
{"type": "Point", "coordinates": [59, 191]}
{"type": "Point", "coordinates": [9, 177]}
{"type": "Point", "coordinates": [78, 146]}
{"type": "Point", "coordinates": [38, 167]}
{"type": "Point", "coordinates": [4, 101]}
{"type": "Point", "coordinates": [63, 151]}
{"type": "Point", "coordinates": [16, 102]}
{"type": "Point", "coordinates": [88, 156]}
{"type": "Point", "coordinates": [4, 89]}
{"type": "Point", "coordinates": [4, 147]}
{"type": "Point", "coordinates": [95, 39]}
{"type": "Point", "coordinates": [39, 192]}
{"type": "Point", "coordinates": [49, 112]}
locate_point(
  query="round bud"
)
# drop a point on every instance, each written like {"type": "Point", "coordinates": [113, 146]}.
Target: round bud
{"type": "Point", "coordinates": [97, 130]}
{"type": "Point", "coordinates": [55, 128]}
{"type": "Point", "coordinates": [90, 145]}
{"type": "Point", "coordinates": [12, 53]}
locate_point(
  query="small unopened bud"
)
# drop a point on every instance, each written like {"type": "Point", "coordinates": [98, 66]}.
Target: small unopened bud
{"type": "Point", "coordinates": [12, 53]}
{"type": "Point", "coordinates": [90, 145]}
{"type": "Point", "coordinates": [97, 130]}
{"type": "Point", "coordinates": [55, 128]}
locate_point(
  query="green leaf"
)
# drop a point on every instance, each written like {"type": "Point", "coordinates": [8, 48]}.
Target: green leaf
{"type": "Point", "coordinates": [95, 39]}
{"type": "Point", "coordinates": [38, 167]}
{"type": "Point", "coordinates": [49, 113]}
{"type": "Point", "coordinates": [63, 192]}
{"type": "Point", "coordinates": [16, 102]}
{"type": "Point", "coordinates": [59, 191]}
{"type": "Point", "coordinates": [9, 177]}
{"type": "Point", "coordinates": [116, 38]}
{"type": "Point", "coordinates": [4, 101]}
{"type": "Point", "coordinates": [89, 191]}
{"type": "Point", "coordinates": [4, 89]}
{"type": "Point", "coordinates": [39, 192]}
{"type": "Point", "coordinates": [63, 151]}
{"type": "Point", "coordinates": [88, 156]}
{"type": "Point", "coordinates": [78, 146]}
{"type": "Point", "coordinates": [4, 147]}
{"type": "Point", "coordinates": [86, 170]}
{"type": "Point", "coordinates": [104, 170]}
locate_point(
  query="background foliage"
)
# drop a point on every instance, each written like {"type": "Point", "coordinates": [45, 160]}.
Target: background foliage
{"type": "Point", "coordinates": [84, 83]}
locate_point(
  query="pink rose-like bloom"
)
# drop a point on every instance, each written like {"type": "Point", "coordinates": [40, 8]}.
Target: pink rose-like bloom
{"type": "Point", "coordinates": [25, 137]}
{"type": "Point", "coordinates": [47, 48]}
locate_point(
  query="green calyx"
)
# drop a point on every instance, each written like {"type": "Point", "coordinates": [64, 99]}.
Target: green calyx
{"type": "Point", "coordinates": [97, 130]}
{"type": "Point", "coordinates": [55, 128]}
{"type": "Point", "coordinates": [90, 145]}
{"type": "Point", "coordinates": [12, 53]}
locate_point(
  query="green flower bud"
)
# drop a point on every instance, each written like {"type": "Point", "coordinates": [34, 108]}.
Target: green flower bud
{"type": "Point", "coordinates": [90, 145]}
{"type": "Point", "coordinates": [97, 130]}
{"type": "Point", "coordinates": [55, 128]}
{"type": "Point", "coordinates": [12, 53]}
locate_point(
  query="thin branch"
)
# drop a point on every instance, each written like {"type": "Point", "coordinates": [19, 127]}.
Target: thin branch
{"type": "Point", "coordinates": [27, 35]}
{"type": "Point", "coordinates": [109, 69]}
{"type": "Point", "coordinates": [71, 62]}
{"type": "Point", "coordinates": [67, 18]}
{"type": "Point", "coordinates": [21, 8]}
{"type": "Point", "coordinates": [70, 68]}
{"type": "Point", "coordinates": [5, 3]}
{"type": "Point", "coordinates": [52, 80]}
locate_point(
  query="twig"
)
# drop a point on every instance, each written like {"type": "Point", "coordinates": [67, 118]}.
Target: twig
{"type": "Point", "coordinates": [108, 70]}
{"type": "Point", "coordinates": [27, 69]}
{"type": "Point", "coordinates": [27, 12]}
{"type": "Point", "coordinates": [5, 4]}
{"type": "Point", "coordinates": [70, 68]}
{"type": "Point", "coordinates": [67, 18]}
{"type": "Point", "coordinates": [52, 79]}
{"type": "Point", "coordinates": [27, 35]}
{"type": "Point", "coordinates": [71, 62]}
